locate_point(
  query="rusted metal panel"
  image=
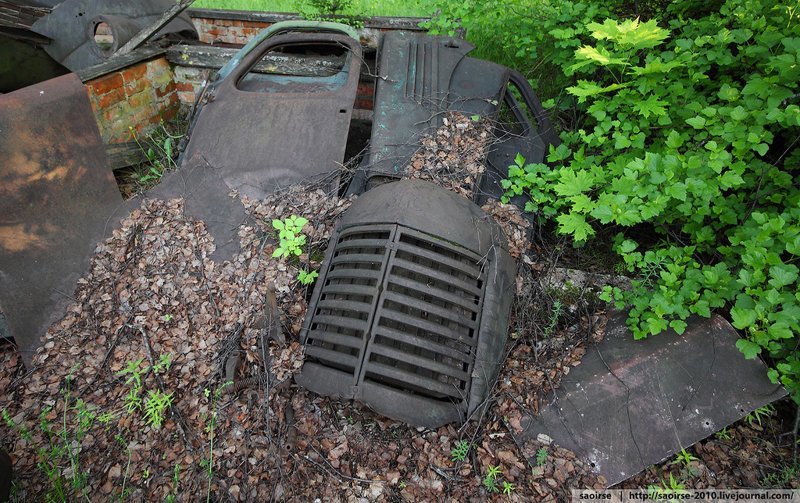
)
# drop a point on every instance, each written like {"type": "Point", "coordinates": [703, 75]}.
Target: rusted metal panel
{"type": "Point", "coordinates": [57, 197]}
{"type": "Point", "coordinates": [421, 78]}
{"type": "Point", "coordinates": [277, 129]}
{"type": "Point", "coordinates": [71, 26]}
{"type": "Point", "coordinates": [630, 404]}
{"type": "Point", "coordinates": [410, 312]}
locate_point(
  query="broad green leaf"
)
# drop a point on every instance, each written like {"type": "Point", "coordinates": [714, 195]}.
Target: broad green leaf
{"type": "Point", "coordinates": [650, 106]}
{"type": "Point", "coordinates": [696, 122]}
{"type": "Point", "coordinates": [678, 326]}
{"type": "Point", "coordinates": [598, 55]}
{"type": "Point", "coordinates": [584, 89]}
{"type": "Point", "coordinates": [738, 113]}
{"type": "Point", "coordinates": [750, 349]}
{"type": "Point", "coordinates": [573, 182]}
{"type": "Point", "coordinates": [782, 275]}
{"type": "Point", "coordinates": [743, 318]}
{"type": "Point", "coordinates": [629, 33]}
{"type": "Point", "coordinates": [576, 225]}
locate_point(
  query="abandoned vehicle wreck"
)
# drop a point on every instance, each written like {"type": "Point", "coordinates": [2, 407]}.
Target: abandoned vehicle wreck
{"type": "Point", "coordinates": [388, 145]}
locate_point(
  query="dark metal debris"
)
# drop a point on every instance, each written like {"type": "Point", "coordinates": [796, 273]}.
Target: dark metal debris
{"type": "Point", "coordinates": [629, 404]}
{"type": "Point", "coordinates": [72, 24]}
{"type": "Point", "coordinates": [56, 197]}
{"type": "Point", "coordinates": [268, 130]}
{"type": "Point", "coordinates": [421, 78]}
{"type": "Point", "coordinates": [411, 308]}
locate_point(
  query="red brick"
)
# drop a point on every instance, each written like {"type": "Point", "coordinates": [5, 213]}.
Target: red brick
{"type": "Point", "coordinates": [184, 86]}
{"type": "Point", "coordinates": [106, 83]}
{"type": "Point", "coordinates": [133, 73]}
{"type": "Point", "coordinates": [163, 91]}
{"type": "Point", "coordinates": [141, 100]}
{"type": "Point", "coordinates": [136, 86]}
{"type": "Point", "coordinates": [110, 98]}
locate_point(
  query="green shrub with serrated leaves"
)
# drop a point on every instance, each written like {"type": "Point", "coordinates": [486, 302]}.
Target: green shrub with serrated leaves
{"type": "Point", "coordinates": [680, 136]}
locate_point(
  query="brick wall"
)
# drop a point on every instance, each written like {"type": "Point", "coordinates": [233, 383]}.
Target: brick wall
{"type": "Point", "coordinates": [227, 31]}
{"type": "Point", "coordinates": [189, 82]}
{"type": "Point", "coordinates": [137, 96]}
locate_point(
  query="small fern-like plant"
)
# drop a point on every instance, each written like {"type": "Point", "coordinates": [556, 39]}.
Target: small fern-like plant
{"type": "Point", "coordinates": [460, 451]}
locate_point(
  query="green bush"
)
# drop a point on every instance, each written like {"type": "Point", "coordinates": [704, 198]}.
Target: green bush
{"type": "Point", "coordinates": [682, 137]}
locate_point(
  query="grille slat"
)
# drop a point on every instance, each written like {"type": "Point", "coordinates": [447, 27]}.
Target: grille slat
{"type": "Point", "coordinates": [338, 357]}
{"type": "Point", "coordinates": [422, 342]}
{"type": "Point", "coordinates": [336, 338]}
{"type": "Point", "coordinates": [357, 258]}
{"type": "Point", "coordinates": [379, 370]}
{"type": "Point", "coordinates": [340, 321]}
{"type": "Point", "coordinates": [468, 268]}
{"type": "Point", "coordinates": [427, 326]}
{"type": "Point", "coordinates": [465, 301]}
{"type": "Point", "coordinates": [433, 274]}
{"type": "Point", "coordinates": [349, 289]}
{"type": "Point", "coordinates": [420, 361]}
{"type": "Point", "coordinates": [342, 272]}
{"type": "Point", "coordinates": [344, 305]}
{"type": "Point", "coordinates": [347, 244]}
{"type": "Point", "coordinates": [454, 313]}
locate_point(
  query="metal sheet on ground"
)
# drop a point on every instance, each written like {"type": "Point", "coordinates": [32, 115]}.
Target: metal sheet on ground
{"type": "Point", "coordinates": [630, 404]}
{"type": "Point", "coordinates": [57, 198]}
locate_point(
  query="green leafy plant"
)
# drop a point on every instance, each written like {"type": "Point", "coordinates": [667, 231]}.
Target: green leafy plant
{"type": "Point", "coordinates": [684, 145]}
{"type": "Point", "coordinates": [508, 488]}
{"type": "Point", "coordinates": [684, 457]}
{"type": "Point", "coordinates": [460, 451]}
{"type": "Point", "coordinates": [723, 434]}
{"type": "Point", "coordinates": [211, 422]}
{"type": "Point", "coordinates": [176, 481]}
{"type": "Point", "coordinates": [163, 364]}
{"type": "Point", "coordinates": [306, 277]}
{"type": "Point", "coordinates": [155, 405]}
{"type": "Point", "coordinates": [672, 486]}
{"type": "Point", "coordinates": [319, 10]}
{"type": "Point", "coordinates": [759, 414]}
{"type": "Point", "coordinates": [58, 458]}
{"type": "Point", "coordinates": [291, 237]}
{"type": "Point", "coordinates": [490, 480]}
{"type": "Point", "coordinates": [159, 148]}
{"type": "Point", "coordinates": [541, 456]}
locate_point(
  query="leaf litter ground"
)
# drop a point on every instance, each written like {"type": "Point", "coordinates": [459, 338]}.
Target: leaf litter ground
{"type": "Point", "coordinates": [154, 304]}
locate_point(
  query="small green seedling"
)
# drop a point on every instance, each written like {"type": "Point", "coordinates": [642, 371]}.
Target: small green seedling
{"type": "Point", "coordinates": [291, 238]}
{"type": "Point", "coordinates": [154, 407]}
{"type": "Point", "coordinates": [490, 480]}
{"type": "Point", "coordinates": [723, 434]}
{"type": "Point", "coordinates": [508, 488]}
{"type": "Point", "coordinates": [306, 278]}
{"type": "Point", "coordinates": [460, 451]}
{"type": "Point", "coordinates": [684, 457]}
{"type": "Point", "coordinates": [541, 456]}
{"type": "Point", "coordinates": [760, 413]}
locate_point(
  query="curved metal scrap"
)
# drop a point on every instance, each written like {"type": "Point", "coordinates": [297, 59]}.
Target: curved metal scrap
{"type": "Point", "coordinates": [71, 26]}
